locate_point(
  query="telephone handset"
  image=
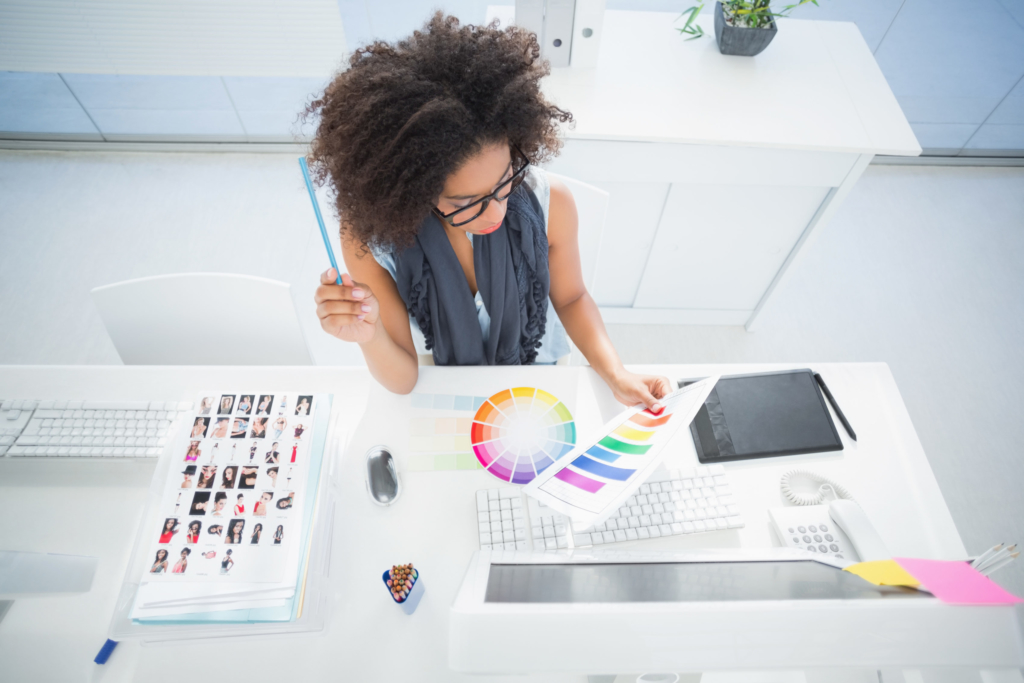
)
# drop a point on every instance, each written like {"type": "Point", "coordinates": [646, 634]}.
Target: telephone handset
{"type": "Point", "coordinates": [838, 527]}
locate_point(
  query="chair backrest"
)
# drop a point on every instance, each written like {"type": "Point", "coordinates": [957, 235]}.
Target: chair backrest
{"type": "Point", "coordinates": [202, 319]}
{"type": "Point", "coordinates": [592, 209]}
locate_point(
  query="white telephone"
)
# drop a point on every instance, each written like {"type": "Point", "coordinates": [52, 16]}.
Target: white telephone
{"type": "Point", "coordinates": [837, 527]}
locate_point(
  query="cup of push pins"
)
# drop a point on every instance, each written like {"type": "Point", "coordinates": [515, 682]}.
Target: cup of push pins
{"type": "Point", "coordinates": [406, 586]}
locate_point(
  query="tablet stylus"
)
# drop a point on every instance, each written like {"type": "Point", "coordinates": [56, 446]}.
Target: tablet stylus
{"type": "Point", "coordinates": [835, 406]}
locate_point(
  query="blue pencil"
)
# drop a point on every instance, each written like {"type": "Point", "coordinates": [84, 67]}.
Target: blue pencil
{"type": "Point", "coordinates": [319, 218]}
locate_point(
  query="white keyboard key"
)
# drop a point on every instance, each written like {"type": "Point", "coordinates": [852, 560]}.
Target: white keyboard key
{"type": "Point", "coordinates": [656, 519]}
{"type": "Point", "coordinates": [581, 539]}
{"type": "Point", "coordinates": [688, 528]}
{"type": "Point", "coordinates": [643, 533]}
{"type": "Point", "coordinates": [620, 535]}
{"type": "Point", "coordinates": [505, 504]}
{"type": "Point", "coordinates": [721, 511]}
{"type": "Point", "coordinates": [508, 493]}
{"type": "Point", "coordinates": [732, 511]}
{"type": "Point", "coordinates": [517, 503]}
{"type": "Point", "coordinates": [622, 523]}
{"type": "Point", "coordinates": [700, 525]}
{"type": "Point", "coordinates": [506, 525]}
{"type": "Point", "coordinates": [700, 471]}
{"type": "Point", "coordinates": [550, 544]}
{"type": "Point", "coordinates": [485, 539]}
{"type": "Point", "coordinates": [645, 520]}
{"type": "Point", "coordinates": [519, 534]}
{"type": "Point", "coordinates": [631, 535]}
{"type": "Point", "coordinates": [665, 530]}
{"type": "Point", "coordinates": [608, 536]}
{"type": "Point", "coordinates": [645, 488]}
{"type": "Point", "coordinates": [654, 531]}
{"type": "Point", "coordinates": [657, 507]}
{"type": "Point", "coordinates": [677, 528]}
{"type": "Point", "coordinates": [720, 523]}
{"type": "Point", "coordinates": [687, 484]}
{"type": "Point", "coordinates": [562, 542]}
{"type": "Point", "coordinates": [655, 487]}
{"type": "Point", "coordinates": [734, 522]}
{"type": "Point", "coordinates": [538, 532]}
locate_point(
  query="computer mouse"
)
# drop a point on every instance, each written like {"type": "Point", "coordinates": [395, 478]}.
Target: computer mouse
{"type": "Point", "coordinates": [382, 476]}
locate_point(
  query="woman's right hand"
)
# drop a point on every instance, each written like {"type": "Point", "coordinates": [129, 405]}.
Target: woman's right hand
{"type": "Point", "coordinates": [348, 311]}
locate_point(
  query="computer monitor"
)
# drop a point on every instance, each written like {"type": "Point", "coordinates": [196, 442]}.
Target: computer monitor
{"type": "Point", "coordinates": [607, 612]}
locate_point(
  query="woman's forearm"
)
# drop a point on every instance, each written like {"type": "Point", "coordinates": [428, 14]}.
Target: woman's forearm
{"type": "Point", "coordinates": [583, 322]}
{"type": "Point", "coordinates": [389, 363]}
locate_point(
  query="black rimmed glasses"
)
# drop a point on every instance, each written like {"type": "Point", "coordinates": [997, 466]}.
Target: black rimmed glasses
{"type": "Point", "coordinates": [469, 213]}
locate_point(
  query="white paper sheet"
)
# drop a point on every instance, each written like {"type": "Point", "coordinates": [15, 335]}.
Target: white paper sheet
{"type": "Point", "coordinates": [594, 479]}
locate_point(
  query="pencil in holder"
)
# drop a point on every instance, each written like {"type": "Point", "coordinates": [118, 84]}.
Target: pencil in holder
{"type": "Point", "coordinates": [405, 585]}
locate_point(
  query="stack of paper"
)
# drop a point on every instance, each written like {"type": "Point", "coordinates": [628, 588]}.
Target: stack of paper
{"type": "Point", "coordinates": [236, 511]}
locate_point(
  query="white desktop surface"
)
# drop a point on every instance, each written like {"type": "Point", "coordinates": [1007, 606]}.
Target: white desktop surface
{"type": "Point", "coordinates": [91, 508]}
{"type": "Point", "coordinates": [816, 87]}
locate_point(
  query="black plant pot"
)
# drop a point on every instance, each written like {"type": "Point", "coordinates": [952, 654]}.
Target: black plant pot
{"type": "Point", "coordinates": [735, 40]}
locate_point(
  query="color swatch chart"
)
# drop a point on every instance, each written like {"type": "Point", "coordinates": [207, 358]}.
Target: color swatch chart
{"type": "Point", "coordinates": [442, 443]}
{"type": "Point", "coordinates": [598, 476]}
{"type": "Point", "coordinates": [518, 433]}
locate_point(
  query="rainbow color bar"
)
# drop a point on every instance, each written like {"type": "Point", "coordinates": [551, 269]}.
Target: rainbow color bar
{"type": "Point", "coordinates": [519, 432]}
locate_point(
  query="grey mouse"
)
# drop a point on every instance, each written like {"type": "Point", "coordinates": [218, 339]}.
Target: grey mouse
{"type": "Point", "coordinates": [382, 481]}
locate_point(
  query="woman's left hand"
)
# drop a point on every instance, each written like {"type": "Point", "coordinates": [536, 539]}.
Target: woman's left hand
{"type": "Point", "coordinates": [631, 389]}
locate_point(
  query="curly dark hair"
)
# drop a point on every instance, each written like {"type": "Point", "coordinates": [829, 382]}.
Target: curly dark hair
{"type": "Point", "coordinates": [403, 117]}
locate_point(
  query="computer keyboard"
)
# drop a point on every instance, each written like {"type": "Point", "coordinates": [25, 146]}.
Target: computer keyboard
{"type": "Point", "coordinates": [670, 503]}
{"type": "Point", "coordinates": [88, 429]}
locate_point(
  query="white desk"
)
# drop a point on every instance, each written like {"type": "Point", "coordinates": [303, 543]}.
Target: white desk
{"type": "Point", "coordinates": [720, 169]}
{"type": "Point", "coordinates": [90, 508]}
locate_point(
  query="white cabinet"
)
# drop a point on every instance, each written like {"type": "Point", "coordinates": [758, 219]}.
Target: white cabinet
{"type": "Point", "coordinates": [720, 169]}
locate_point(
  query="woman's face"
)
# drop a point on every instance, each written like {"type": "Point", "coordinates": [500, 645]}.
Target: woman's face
{"type": "Point", "coordinates": [184, 554]}
{"type": "Point", "coordinates": [477, 177]}
{"type": "Point", "coordinates": [219, 505]}
{"type": "Point", "coordinates": [161, 555]}
{"type": "Point", "coordinates": [194, 528]}
{"type": "Point", "coordinates": [168, 525]}
{"type": "Point", "coordinates": [265, 497]}
{"type": "Point", "coordinates": [238, 528]}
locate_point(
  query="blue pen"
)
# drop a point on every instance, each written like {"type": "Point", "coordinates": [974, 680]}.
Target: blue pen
{"type": "Point", "coordinates": [319, 218]}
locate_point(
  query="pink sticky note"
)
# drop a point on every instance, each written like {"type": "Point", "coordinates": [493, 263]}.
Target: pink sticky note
{"type": "Point", "coordinates": [956, 583]}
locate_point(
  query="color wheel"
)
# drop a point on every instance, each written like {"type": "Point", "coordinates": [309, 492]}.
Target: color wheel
{"type": "Point", "coordinates": [518, 433]}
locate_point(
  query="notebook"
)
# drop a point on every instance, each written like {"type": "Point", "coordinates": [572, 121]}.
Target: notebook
{"type": "Point", "coordinates": [763, 415]}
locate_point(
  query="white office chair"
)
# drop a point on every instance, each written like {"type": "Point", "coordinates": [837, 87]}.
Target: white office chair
{"type": "Point", "coordinates": [202, 319]}
{"type": "Point", "coordinates": [592, 209]}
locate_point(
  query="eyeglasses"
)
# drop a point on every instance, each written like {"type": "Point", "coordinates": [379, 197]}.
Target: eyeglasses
{"type": "Point", "coordinates": [470, 213]}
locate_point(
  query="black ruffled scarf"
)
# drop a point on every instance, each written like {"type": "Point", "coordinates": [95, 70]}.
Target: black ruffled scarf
{"type": "Point", "coordinates": [511, 266]}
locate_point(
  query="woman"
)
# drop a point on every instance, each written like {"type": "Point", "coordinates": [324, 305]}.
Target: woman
{"type": "Point", "coordinates": [170, 528]}
{"type": "Point", "coordinates": [199, 427]}
{"type": "Point", "coordinates": [220, 428]}
{"type": "Point", "coordinates": [303, 406]}
{"type": "Point", "coordinates": [181, 565]}
{"type": "Point", "coordinates": [189, 472]}
{"type": "Point", "coordinates": [259, 428]}
{"type": "Point", "coordinates": [240, 505]}
{"type": "Point", "coordinates": [215, 530]}
{"type": "Point", "coordinates": [280, 424]}
{"type": "Point", "coordinates": [227, 563]}
{"type": "Point", "coordinates": [298, 431]}
{"type": "Point", "coordinates": [279, 534]}
{"type": "Point", "coordinates": [295, 451]}
{"type": "Point", "coordinates": [239, 427]}
{"type": "Point", "coordinates": [477, 249]}
{"type": "Point", "coordinates": [160, 563]}
{"type": "Point", "coordinates": [206, 405]}
{"type": "Point", "coordinates": [235, 531]}
{"type": "Point", "coordinates": [264, 408]}
{"type": "Point", "coordinates": [228, 478]}
{"type": "Point", "coordinates": [272, 473]}
{"type": "Point", "coordinates": [206, 477]}
{"type": "Point", "coordinates": [252, 451]}
{"type": "Point", "coordinates": [193, 452]}
{"type": "Point", "coordinates": [245, 404]}
{"type": "Point", "coordinates": [219, 501]}
{"type": "Point", "coordinates": [271, 456]}
{"type": "Point", "coordinates": [261, 505]}
{"type": "Point", "coordinates": [193, 531]}
{"type": "Point", "coordinates": [247, 478]}
{"type": "Point", "coordinates": [227, 403]}
{"type": "Point", "coordinates": [257, 531]}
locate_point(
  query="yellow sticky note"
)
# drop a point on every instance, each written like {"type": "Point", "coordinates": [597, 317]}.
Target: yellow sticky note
{"type": "Point", "coordinates": [883, 573]}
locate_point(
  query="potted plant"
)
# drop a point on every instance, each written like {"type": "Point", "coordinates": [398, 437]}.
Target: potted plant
{"type": "Point", "coordinates": [742, 27]}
